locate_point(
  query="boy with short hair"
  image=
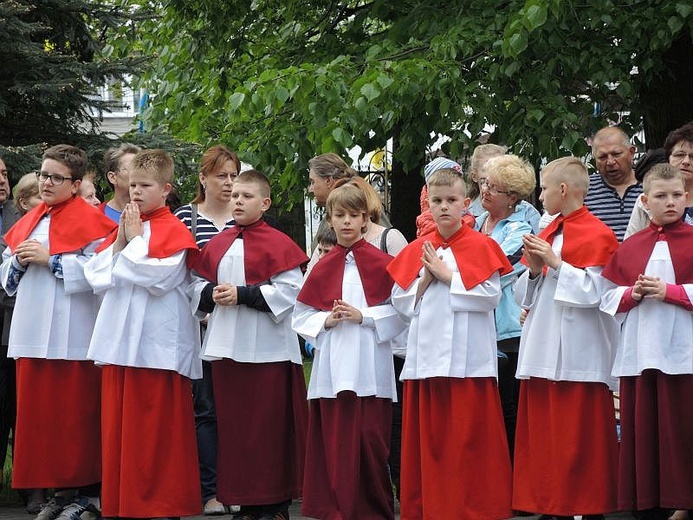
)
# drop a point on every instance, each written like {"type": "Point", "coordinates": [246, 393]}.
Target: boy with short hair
{"type": "Point", "coordinates": [566, 445]}
{"type": "Point", "coordinates": [148, 344]}
{"type": "Point", "coordinates": [650, 294]}
{"type": "Point", "coordinates": [250, 276]}
{"type": "Point", "coordinates": [57, 441]}
{"type": "Point", "coordinates": [447, 283]}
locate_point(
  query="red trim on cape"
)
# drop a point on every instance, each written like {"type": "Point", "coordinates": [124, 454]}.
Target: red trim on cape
{"type": "Point", "coordinates": [268, 251]}
{"type": "Point", "coordinates": [631, 258]}
{"type": "Point", "coordinates": [74, 224]}
{"type": "Point", "coordinates": [324, 283]}
{"type": "Point", "coordinates": [168, 235]}
{"type": "Point", "coordinates": [587, 241]}
{"type": "Point", "coordinates": [477, 257]}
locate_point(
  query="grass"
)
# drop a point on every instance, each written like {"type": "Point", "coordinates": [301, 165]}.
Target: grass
{"type": "Point", "coordinates": [8, 496]}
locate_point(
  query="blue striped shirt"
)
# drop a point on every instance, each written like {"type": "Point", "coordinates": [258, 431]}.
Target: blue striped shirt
{"type": "Point", "coordinates": [606, 204]}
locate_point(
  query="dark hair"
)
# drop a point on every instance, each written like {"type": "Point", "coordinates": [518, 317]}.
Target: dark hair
{"type": "Point", "coordinates": [71, 156]}
{"type": "Point", "coordinates": [331, 165]}
{"type": "Point", "coordinates": [111, 159]}
{"type": "Point", "coordinates": [683, 133]}
{"type": "Point", "coordinates": [648, 160]}
{"type": "Point", "coordinates": [213, 159]}
{"type": "Point", "coordinates": [326, 236]}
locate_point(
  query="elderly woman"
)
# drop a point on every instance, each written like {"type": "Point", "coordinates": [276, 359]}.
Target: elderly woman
{"type": "Point", "coordinates": [505, 181]}
{"type": "Point", "coordinates": [678, 147]}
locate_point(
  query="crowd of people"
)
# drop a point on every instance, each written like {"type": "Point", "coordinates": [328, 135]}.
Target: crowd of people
{"type": "Point", "coordinates": [153, 366]}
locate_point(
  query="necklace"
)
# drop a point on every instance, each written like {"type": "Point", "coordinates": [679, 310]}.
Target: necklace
{"type": "Point", "coordinates": [485, 227]}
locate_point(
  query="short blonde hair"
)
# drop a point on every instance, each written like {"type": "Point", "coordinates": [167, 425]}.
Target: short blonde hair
{"type": "Point", "coordinates": [447, 177]}
{"type": "Point", "coordinates": [516, 174]}
{"type": "Point", "coordinates": [663, 171]}
{"type": "Point", "coordinates": [255, 177]}
{"type": "Point", "coordinates": [26, 187]}
{"type": "Point", "coordinates": [570, 170]}
{"type": "Point", "coordinates": [485, 151]}
{"type": "Point", "coordinates": [156, 163]}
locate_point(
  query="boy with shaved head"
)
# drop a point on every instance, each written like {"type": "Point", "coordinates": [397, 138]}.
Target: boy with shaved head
{"type": "Point", "coordinates": [566, 446]}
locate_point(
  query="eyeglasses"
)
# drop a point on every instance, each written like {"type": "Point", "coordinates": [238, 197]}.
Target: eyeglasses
{"type": "Point", "coordinates": [680, 156]}
{"type": "Point", "coordinates": [56, 180]}
{"type": "Point", "coordinates": [483, 182]}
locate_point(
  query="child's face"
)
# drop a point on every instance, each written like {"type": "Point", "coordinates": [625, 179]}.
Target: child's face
{"type": "Point", "coordinates": [55, 192]}
{"type": "Point", "coordinates": [347, 225]}
{"type": "Point", "coordinates": [448, 205]}
{"type": "Point", "coordinates": [147, 192]}
{"type": "Point", "coordinates": [249, 203]}
{"type": "Point", "coordinates": [323, 249]}
{"type": "Point", "coordinates": [666, 200]}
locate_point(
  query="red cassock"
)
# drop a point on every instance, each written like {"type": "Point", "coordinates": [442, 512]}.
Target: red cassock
{"type": "Point", "coordinates": [57, 436]}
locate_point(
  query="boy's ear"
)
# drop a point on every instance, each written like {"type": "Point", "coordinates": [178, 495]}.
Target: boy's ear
{"type": "Point", "coordinates": [266, 203]}
{"type": "Point", "coordinates": [75, 186]}
{"type": "Point", "coordinates": [467, 201]}
{"type": "Point", "coordinates": [167, 189]}
{"type": "Point", "coordinates": [643, 198]}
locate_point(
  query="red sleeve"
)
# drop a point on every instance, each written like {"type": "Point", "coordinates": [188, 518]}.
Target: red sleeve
{"type": "Point", "coordinates": [676, 295]}
{"type": "Point", "coordinates": [627, 302]}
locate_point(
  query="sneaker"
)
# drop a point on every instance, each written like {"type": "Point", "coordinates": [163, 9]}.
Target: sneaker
{"type": "Point", "coordinates": [213, 508]}
{"type": "Point", "coordinates": [79, 509]}
{"type": "Point", "coordinates": [50, 510]}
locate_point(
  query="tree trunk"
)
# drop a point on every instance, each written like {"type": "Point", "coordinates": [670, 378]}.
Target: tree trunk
{"type": "Point", "coordinates": [405, 193]}
{"type": "Point", "coordinates": [668, 102]}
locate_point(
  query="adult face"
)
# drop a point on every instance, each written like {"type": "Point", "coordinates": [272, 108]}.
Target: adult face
{"type": "Point", "coordinates": [495, 196]}
{"type": "Point", "coordinates": [320, 187]}
{"type": "Point", "coordinates": [121, 178]}
{"type": "Point", "coordinates": [614, 159]}
{"type": "Point", "coordinates": [55, 182]}
{"type": "Point", "coordinates": [4, 183]}
{"type": "Point", "coordinates": [219, 184]}
{"type": "Point", "coordinates": [681, 157]}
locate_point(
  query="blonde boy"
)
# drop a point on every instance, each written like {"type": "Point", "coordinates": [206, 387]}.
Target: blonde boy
{"type": "Point", "coordinates": [148, 344]}
{"type": "Point", "coordinates": [447, 284]}
{"type": "Point", "coordinates": [650, 293]}
{"type": "Point", "coordinates": [566, 446]}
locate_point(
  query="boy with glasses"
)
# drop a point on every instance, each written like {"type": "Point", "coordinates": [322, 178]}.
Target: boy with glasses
{"type": "Point", "coordinates": [57, 435]}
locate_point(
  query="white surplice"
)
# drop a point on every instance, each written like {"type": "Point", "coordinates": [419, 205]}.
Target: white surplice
{"type": "Point", "coordinates": [351, 356]}
{"type": "Point", "coordinates": [452, 331]}
{"type": "Point", "coordinates": [145, 319]}
{"type": "Point", "coordinates": [654, 334]}
{"type": "Point", "coordinates": [53, 318]}
{"type": "Point", "coordinates": [244, 334]}
{"type": "Point", "coordinates": [565, 336]}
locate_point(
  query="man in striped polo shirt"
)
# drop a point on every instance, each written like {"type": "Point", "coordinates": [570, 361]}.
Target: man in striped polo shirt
{"type": "Point", "coordinates": [613, 192]}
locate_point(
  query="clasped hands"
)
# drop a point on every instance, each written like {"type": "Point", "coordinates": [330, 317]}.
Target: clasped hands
{"type": "Point", "coordinates": [342, 311]}
{"type": "Point", "coordinates": [648, 287]}
{"type": "Point", "coordinates": [538, 253]}
{"type": "Point", "coordinates": [31, 251]}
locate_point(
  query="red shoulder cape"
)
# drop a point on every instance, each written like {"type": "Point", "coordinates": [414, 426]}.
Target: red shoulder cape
{"type": "Point", "coordinates": [477, 257]}
{"type": "Point", "coordinates": [168, 235]}
{"type": "Point", "coordinates": [324, 283]}
{"type": "Point", "coordinates": [587, 241]}
{"type": "Point", "coordinates": [267, 252]}
{"type": "Point", "coordinates": [631, 258]}
{"type": "Point", "coordinates": [74, 224]}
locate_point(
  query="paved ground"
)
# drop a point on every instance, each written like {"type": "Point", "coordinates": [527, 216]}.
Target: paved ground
{"type": "Point", "coordinates": [18, 513]}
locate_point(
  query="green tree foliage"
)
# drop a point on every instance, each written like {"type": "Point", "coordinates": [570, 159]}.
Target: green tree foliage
{"type": "Point", "coordinates": [281, 81]}
{"type": "Point", "coordinates": [52, 63]}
